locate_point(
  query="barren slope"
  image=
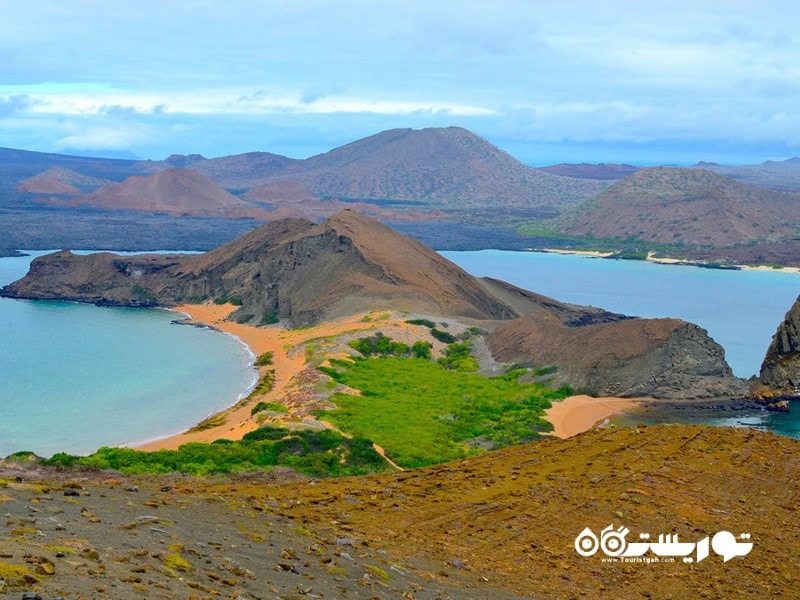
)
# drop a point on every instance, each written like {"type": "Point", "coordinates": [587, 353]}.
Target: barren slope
{"type": "Point", "coordinates": [686, 206]}
{"type": "Point", "coordinates": [499, 525]}
{"type": "Point", "coordinates": [173, 192]}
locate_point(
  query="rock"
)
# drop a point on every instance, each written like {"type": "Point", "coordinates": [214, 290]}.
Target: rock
{"type": "Point", "coordinates": [71, 492]}
{"type": "Point", "coordinates": [659, 358]}
{"type": "Point", "coordinates": [781, 367]}
{"type": "Point", "coordinates": [779, 406]}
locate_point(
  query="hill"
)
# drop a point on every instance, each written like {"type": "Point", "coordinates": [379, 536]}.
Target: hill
{"type": "Point", "coordinates": [686, 206]}
{"type": "Point", "coordinates": [660, 358]}
{"type": "Point", "coordinates": [300, 273]}
{"type": "Point", "coordinates": [173, 192]}
{"type": "Point", "coordinates": [438, 166]}
{"type": "Point", "coordinates": [499, 525]}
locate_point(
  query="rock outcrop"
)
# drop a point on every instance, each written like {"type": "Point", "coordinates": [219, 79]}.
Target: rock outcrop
{"type": "Point", "coordinates": [780, 370]}
{"type": "Point", "coordinates": [660, 358]}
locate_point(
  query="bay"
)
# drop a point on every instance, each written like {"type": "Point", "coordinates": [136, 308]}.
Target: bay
{"type": "Point", "coordinates": [74, 377]}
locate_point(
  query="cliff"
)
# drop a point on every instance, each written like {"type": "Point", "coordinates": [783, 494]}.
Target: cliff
{"type": "Point", "coordinates": [660, 358]}
{"type": "Point", "coordinates": [781, 367]}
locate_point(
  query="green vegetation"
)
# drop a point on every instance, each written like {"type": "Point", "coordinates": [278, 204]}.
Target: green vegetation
{"type": "Point", "coordinates": [424, 322]}
{"type": "Point", "coordinates": [225, 299]}
{"type": "Point", "coordinates": [264, 359]}
{"type": "Point", "coordinates": [323, 453]}
{"type": "Point", "coordinates": [209, 423]}
{"type": "Point", "coordinates": [271, 406]}
{"type": "Point", "coordinates": [244, 318]}
{"type": "Point", "coordinates": [457, 357]}
{"type": "Point", "coordinates": [423, 414]}
{"type": "Point", "coordinates": [379, 345]}
{"type": "Point", "coordinates": [443, 336]}
{"type": "Point", "coordinates": [265, 384]}
{"type": "Point", "coordinates": [270, 318]}
{"type": "Point", "coordinates": [142, 294]}
{"type": "Point", "coordinates": [420, 349]}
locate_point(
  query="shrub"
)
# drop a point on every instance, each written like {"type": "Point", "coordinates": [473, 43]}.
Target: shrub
{"type": "Point", "coordinates": [264, 359]}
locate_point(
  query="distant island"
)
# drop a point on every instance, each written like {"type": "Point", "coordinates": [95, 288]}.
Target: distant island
{"type": "Point", "coordinates": [447, 187]}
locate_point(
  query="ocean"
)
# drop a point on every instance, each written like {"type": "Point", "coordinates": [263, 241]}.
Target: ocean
{"type": "Point", "coordinates": [75, 377]}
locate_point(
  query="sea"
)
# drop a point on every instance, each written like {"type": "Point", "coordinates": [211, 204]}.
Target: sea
{"type": "Point", "coordinates": [75, 377]}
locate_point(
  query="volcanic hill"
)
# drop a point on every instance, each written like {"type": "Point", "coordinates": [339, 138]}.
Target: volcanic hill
{"type": "Point", "coordinates": [686, 206]}
{"type": "Point", "coordinates": [300, 273]}
{"type": "Point", "coordinates": [173, 191]}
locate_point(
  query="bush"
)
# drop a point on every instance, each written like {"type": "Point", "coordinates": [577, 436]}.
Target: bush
{"type": "Point", "coordinates": [443, 336]}
{"type": "Point", "coordinates": [264, 359]}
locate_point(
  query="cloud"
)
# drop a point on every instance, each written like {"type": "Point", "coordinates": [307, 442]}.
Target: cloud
{"type": "Point", "coordinates": [14, 104]}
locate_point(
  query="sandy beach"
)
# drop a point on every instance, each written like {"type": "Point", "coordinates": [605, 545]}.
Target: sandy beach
{"type": "Point", "coordinates": [577, 414]}
{"type": "Point", "coordinates": [569, 417]}
{"type": "Point", "coordinates": [286, 363]}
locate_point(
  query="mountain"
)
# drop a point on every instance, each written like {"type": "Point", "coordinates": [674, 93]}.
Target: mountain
{"type": "Point", "coordinates": [499, 525]}
{"type": "Point", "coordinates": [439, 166]}
{"type": "Point", "coordinates": [173, 191]}
{"type": "Point", "coordinates": [685, 206]}
{"type": "Point", "coordinates": [236, 172]}
{"type": "Point", "coordinates": [780, 176]}
{"type": "Point", "coordinates": [60, 181]}
{"type": "Point", "coordinates": [301, 273]}
{"type": "Point", "coordinates": [780, 370]}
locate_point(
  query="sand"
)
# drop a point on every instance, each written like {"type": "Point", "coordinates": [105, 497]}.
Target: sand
{"type": "Point", "coordinates": [577, 414]}
{"type": "Point", "coordinates": [285, 362]}
{"type": "Point", "coordinates": [569, 417]}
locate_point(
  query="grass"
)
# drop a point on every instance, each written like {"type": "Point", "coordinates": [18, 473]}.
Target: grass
{"type": "Point", "coordinates": [209, 423]}
{"type": "Point", "coordinates": [323, 453]}
{"type": "Point", "coordinates": [272, 406]}
{"type": "Point", "coordinates": [423, 414]}
{"type": "Point", "coordinates": [264, 359]}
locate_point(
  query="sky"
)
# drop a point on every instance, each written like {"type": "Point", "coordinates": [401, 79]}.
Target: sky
{"type": "Point", "coordinates": [640, 82]}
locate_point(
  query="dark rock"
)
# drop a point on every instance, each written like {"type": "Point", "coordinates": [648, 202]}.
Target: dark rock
{"type": "Point", "coordinates": [71, 492]}
{"type": "Point", "coordinates": [781, 367]}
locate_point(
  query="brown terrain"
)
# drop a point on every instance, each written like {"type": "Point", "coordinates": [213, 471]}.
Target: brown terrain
{"type": "Point", "coordinates": [660, 358]}
{"type": "Point", "coordinates": [686, 206]}
{"type": "Point", "coordinates": [173, 191]}
{"type": "Point", "coordinates": [500, 525]}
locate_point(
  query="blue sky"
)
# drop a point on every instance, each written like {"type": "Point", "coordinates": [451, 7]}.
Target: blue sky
{"type": "Point", "coordinates": [644, 82]}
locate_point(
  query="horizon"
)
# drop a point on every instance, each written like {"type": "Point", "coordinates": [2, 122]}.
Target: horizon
{"type": "Point", "coordinates": [548, 84]}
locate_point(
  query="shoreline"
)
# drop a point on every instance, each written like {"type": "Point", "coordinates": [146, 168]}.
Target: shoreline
{"type": "Point", "coordinates": [577, 414]}
{"type": "Point", "coordinates": [670, 261]}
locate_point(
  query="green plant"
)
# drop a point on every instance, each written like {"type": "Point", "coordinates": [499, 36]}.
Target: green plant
{"type": "Point", "coordinates": [270, 317]}
{"type": "Point", "coordinates": [265, 359]}
{"type": "Point", "coordinates": [423, 414]}
{"type": "Point", "coordinates": [271, 406]}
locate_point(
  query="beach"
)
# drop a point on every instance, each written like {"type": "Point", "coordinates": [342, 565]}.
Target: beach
{"type": "Point", "coordinates": [569, 417]}
{"type": "Point", "coordinates": [577, 414]}
{"type": "Point", "coordinates": [288, 361]}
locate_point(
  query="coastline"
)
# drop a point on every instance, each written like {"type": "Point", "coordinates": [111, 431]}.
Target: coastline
{"type": "Point", "coordinates": [576, 414]}
{"type": "Point", "coordinates": [668, 261]}
{"type": "Point", "coordinates": [287, 362]}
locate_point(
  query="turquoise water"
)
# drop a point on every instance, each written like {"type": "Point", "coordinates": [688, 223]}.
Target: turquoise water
{"type": "Point", "coordinates": [740, 309]}
{"type": "Point", "coordinates": [74, 377]}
